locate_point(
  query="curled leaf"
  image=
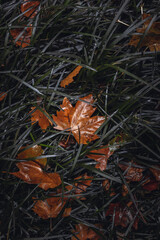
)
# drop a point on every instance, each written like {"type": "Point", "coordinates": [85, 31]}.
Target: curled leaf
{"type": "Point", "coordinates": [78, 119]}
{"type": "Point", "coordinates": [32, 173]}
{"type": "Point", "coordinates": [2, 95]}
{"type": "Point", "coordinates": [38, 116]}
{"type": "Point", "coordinates": [70, 77]}
{"type": "Point", "coordinates": [25, 39]}
{"type": "Point", "coordinates": [29, 8]}
{"type": "Point", "coordinates": [51, 207]}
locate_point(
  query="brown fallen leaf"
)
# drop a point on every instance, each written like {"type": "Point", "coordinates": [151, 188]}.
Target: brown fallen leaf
{"type": "Point", "coordinates": [132, 174]}
{"type": "Point", "coordinates": [2, 95]}
{"type": "Point", "coordinates": [31, 6]}
{"type": "Point", "coordinates": [83, 232]}
{"type": "Point", "coordinates": [32, 173]}
{"type": "Point", "coordinates": [152, 39]}
{"type": "Point", "coordinates": [38, 116]}
{"type": "Point", "coordinates": [32, 152]}
{"type": "Point", "coordinates": [81, 184]}
{"type": "Point", "coordinates": [25, 39]}
{"type": "Point", "coordinates": [70, 77]}
{"type": "Point", "coordinates": [101, 156]}
{"type": "Point", "coordinates": [106, 184]}
{"type": "Point", "coordinates": [156, 172]}
{"type": "Point", "coordinates": [78, 119]}
{"type": "Point", "coordinates": [51, 207]}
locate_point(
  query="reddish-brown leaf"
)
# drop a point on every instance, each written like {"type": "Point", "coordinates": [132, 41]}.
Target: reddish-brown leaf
{"type": "Point", "coordinates": [51, 207]}
{"type": "Point", "coordinates": [2, 95]}
{"type": "Point", "coordinates": [106, 184]}
{"type": "Point", "coordinates": [70, 77]}
{"type": "Point", "coordinates": [82, 182]}
{"type": "Point", "coordinates": [31, 6]}
{"type": "Point", "coordinates": [101, 156]}
{"type": "Point", "coordinates": [156, 172]}
{"type": "Point", "coordinates": [32, 173]}
{"type": "Point", "coordinates": [151, 185]}
{"type": "Point", "coordinates": [134, 174]}
{"type": "Point", "coordinates": [152, 39]}
{"type": "Point", "coordinates": [32, 152]}
{"type": "Point", "coordinates": [38, 116]}
{"type": "Point", "coordinates": [82, 232]}
{"type": "Point", "coordinates": [25, 39]}
{"type": "Point", "coordinates": [78, 119]}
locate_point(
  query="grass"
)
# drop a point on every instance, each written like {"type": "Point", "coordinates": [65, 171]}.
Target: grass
{"type": "Point", "coordinates": [125, 83]}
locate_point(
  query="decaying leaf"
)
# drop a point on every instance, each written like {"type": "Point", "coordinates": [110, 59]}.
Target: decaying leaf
{"type": "Point", "coordinates": [32, 152]}
{"type": "Point", "coordinates": [106, 184]}
{"type": "Point", "coordinates": [29, 8]}
{"type": "Point", "coordinates": [81, 183]}
{"type": "Point", "coordinates": [123, 215]}
{"type": "Point", "coordinates": [152, 39]}
{"type": "Point", "coordinates": [38, 116]}
{"type": "Point", "coordinates": [156, 172]}
{"type": "Point", "coordinates": [78, 119]}
{"type": "Point", "coordinates": [51, 207]}
{"type": "Point", "coordinates": [32, 173]}
{"type": "Point", "coordinates": [2, 95]}
{"type": "Point", "coordinates": [101, 156]}
{"type": "Point", "coordinates": [25, 39]}
{"type": "Point", "coordinates": [70, 77]}
{"type": "Point", "coordinates": [82, 232]}
{"type": "Point", "coordinates": [134, 174]}
{"type": "Point", "coordinates": [151, 185]}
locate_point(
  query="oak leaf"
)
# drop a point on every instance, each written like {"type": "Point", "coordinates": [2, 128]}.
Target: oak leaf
{"type": "Point", "coordinates": [83, 232]}
{"type": "Point", "coordinates": [2, 95]}
{"type": "Point", "coordinates": [78, 119]}
{"type": "Point", "coordinates": [38, 116]}
{"type": "Point", "coordinates": [51, 207]}
{"type": "Point", "coordinates": [32, 173]}
{"type": "Point", "coordinates": [69, 79]}
{"type": "Point", "coordinates": [31, 6]}
{"type": "Point", "coordinates": [32, 152]}
{"type": "Point", "coordinates": [152, 39]}
{"type": "Point", "coordinates": [25, 39]}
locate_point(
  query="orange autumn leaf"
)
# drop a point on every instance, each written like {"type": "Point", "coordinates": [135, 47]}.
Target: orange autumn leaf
{"type": "Point", "coordinates": [32, 173]}
{"type": "Point", "coordinates": [32, 152]}
{"type": "Point", "coordinates": [31, 6]}
{"type": "Point", "coordinates": [101, 156]}
{"type": "Point", "coordinates": [38, 116]}
{"type": "Point", "coordinates": [2, 95]}
{"type": "Point", "coordinates": [78, 119]}
{"type": "Point", "coordinates": [25, 39]}
{"type": "Point", "coordinates": [82, 182]}
{"type": "Point", "coordinates": [83, 232]}
{"type": "Point", "coordinates": [51, 207]}
{"type": "Point", "coordinates": [70, 77]}
{"type": "Point", "coordinates": [152, 39]}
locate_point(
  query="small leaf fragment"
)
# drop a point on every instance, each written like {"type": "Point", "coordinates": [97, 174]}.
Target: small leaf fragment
{"type": "Point", "coordinates": [69, 79]}
{"type": "Point", "coordinates": [25, 39]}
{"type": "Point", "coordinates": [2, 95]}
{"type": "Point", "coordinates": [31, 6]}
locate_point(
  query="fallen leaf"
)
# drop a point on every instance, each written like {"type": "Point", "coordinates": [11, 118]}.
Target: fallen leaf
{"type": "Point", "coordinates": [2, 95]}
{"type": "Point", "coordinates": [152, 39]}
{"type": "Point", "coordinates": [83, 232]}
{"type": "Point", "coordinates": [32, 173]}
{"type": "Point", "coordinates": [156, 172]}
{"type": "Point", "coordinates": [51, 207]}
{"type": "Point", "coordinates": [82, 182]}
{"type": "Point", "coordinates": [70, 77]}
{"type": "Point", "coordinates": [151, 185]}
{"type": "Point", "coordinates": [32, 152]}
{"type": "Point", "coordinates": [25, 39]}
{"type": "Point", "coordinates": [31, 6]}
{"type": "Point", "coordinates": [38, 116]}
{"type": "Point", "coordinates": [106, 184]}
{"type": "Point", "coordinates": [78, 119]}
{"type": "Point", "coordinates": [67, 144]}
{"type": "Point", "coordinates": [122, 215]}
{"type": "Point", "coordinates": [101, 156]}
{"type": "Point", "coordinates": [124, 190]}
{"type": "Point", "coordinates": [132, 174]}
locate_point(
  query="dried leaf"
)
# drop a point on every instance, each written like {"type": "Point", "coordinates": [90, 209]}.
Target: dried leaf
{"type": "Point", "coordinates": [101, 155]}
{"type": "Point", "coordinates": [51, 207]}
{"type": "Point", "coordinates": [132, 174]}
{"type": "Point", "coordinates": [70, 77]}
{"type": "Point", "coordinates": [32, 152]}
{"type": "Point", "coordinates": [82, 232]}
{"type": "Point", "coordinates": [152, 39]}
{"type": "Point", "coordinates": [25, 39]}
{"type": "Point", "coordinates": [106, 184]}
{"type": "Point", "coordinates": [151, 185]}
{"type": "Point", "coordinates": [78, 119]}
{"type": "Point", "coordinates": [82, 182]}
{"type": "Point", "coordinates": [31, 6]}
{"type": "Point", "coordinates": [2, 95]}
{"type": "Point", "coordinates": [38, 116]}
{"type": "Point", "coordinates": [31, 173]}
{"type": "Point", "coordinates": [156, 172]}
